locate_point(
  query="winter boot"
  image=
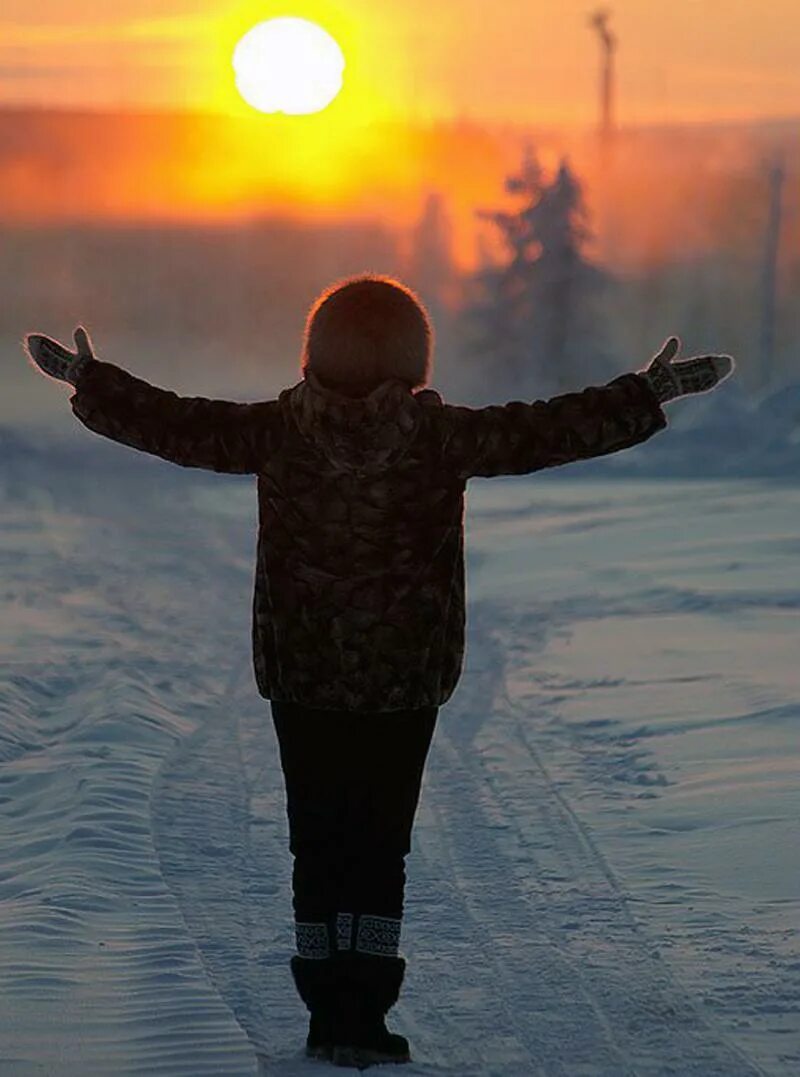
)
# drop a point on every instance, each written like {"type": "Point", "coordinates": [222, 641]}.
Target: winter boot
{"type": "Point", "coordinates": [317, 983]}
{"type": "Point", "coordinates": [369, 986]}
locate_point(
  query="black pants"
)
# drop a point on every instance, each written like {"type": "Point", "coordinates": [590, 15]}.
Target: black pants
{"type": "Point", "coordinates": [352, 788]}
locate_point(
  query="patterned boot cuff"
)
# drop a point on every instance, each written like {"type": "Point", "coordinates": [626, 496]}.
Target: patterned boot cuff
{"type": "Point", "coordinates": [377, 935]}
{"type": "Point", "coordinates": [347, 932]}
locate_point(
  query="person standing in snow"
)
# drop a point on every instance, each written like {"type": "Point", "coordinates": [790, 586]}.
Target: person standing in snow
{"type": "Point", "coordinates": [359, 607]}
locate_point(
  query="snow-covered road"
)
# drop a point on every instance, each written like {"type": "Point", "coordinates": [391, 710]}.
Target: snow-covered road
{"type": "Point", "coordinates": [603, 881]}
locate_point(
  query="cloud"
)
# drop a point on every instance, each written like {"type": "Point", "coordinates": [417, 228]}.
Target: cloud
{"type": "Point", "coordinates": [56, 59]}
{"type": "Point", "coordinates": [19, 35]}
{"type": "Point", "coordinates": [32, 72]}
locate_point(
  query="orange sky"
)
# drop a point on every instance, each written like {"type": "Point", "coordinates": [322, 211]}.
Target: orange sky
{"type": "Point", "coordinates": [386, 141]}
{"type": "Point", "coordinates": [523, 60]}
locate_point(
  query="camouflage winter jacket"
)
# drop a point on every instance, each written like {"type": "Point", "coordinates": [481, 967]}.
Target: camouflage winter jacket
{"type": "Point", "coordinates": [359, 597]}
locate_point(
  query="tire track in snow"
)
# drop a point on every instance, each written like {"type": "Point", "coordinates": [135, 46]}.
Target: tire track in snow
{"type": "Point", "coordinates": [223, 847]}
{"type": "Point", "coordinates": [593, 996]}
{"type": "Point", "coordinates": [523, 956]}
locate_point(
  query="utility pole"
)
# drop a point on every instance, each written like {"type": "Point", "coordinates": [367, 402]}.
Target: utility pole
{"type": "Point", "coordinates": [607, 209]}
{"type": "Point", "coordinates": [769, 269]}
{"type": "Point", "coordinates": [608, 46]}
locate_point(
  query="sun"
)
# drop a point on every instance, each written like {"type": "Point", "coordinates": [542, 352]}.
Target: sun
{"type": "Point", "coordinates": [288, 65]}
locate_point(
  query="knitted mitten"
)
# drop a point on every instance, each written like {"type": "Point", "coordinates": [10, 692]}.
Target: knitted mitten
{"type": "Point", "coordinates": [57, 361]}
{"type": "Point", "coordinates": [670, 378]}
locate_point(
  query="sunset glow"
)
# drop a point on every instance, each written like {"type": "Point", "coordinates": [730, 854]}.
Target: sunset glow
{"type": "Point", "coordinates": [520, 62]}
{"type": "Point", "coordinates": [288, 65]}
{"type": "Point", "coordinates": [364, 107]}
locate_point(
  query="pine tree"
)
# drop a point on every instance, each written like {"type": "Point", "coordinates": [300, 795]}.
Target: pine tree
{"type": "Point", "coordinates": [430, 262]}
{"type": "Point", "coordinates": [533, 316]}
{"type": "Point", "coordinates": [429, 268]}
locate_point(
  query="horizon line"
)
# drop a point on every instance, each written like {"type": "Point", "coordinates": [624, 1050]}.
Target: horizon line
{"type": "Point", "coordinates": [459, 120]}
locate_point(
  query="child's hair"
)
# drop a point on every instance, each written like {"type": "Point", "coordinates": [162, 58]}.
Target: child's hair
{"type": "Point", "coordinates": [367, 329]}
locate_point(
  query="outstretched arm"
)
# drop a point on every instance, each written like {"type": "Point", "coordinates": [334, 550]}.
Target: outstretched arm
{"type": "Point", "coordinates": [519, 438]}
{"type": "Point", "coordinates": [191, 431]}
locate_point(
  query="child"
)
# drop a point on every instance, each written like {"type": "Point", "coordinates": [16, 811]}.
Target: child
{"type": "Point", "coordinates": [359, 605]}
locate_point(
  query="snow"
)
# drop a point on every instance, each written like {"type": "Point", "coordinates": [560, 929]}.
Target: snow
{"type": "Point", "coordinates": [605, 877]}
{"type": "Point", "coordinates": [724, 433]}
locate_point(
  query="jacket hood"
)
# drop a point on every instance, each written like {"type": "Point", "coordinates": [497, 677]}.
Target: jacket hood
{"type": "Point", "coordinates": [359, 434]}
